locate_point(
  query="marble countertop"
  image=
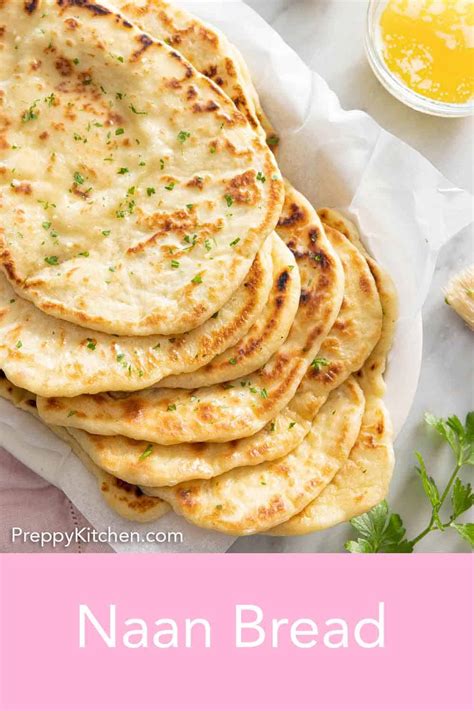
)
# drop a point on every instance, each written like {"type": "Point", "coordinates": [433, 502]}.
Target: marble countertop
{"type": "Point", "coordinates": [447, 375]}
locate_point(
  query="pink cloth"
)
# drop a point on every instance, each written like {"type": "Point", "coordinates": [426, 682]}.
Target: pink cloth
{"type": "Point", "coordinates": [29, 502]}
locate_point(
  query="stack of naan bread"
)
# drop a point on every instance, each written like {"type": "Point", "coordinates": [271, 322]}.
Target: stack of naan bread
{"type": "Point", "coordinates": [175, 310]}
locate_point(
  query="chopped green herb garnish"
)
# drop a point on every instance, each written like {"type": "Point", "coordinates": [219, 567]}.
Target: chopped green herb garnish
{"type": "Point", "coordinates": [83, 254]}
{"type": "Point", "coordinates": [273, 140]}
{"type": "Point", "coordinates": [122, 171]}
{"type": "Point", "coordinates": [46, 225]}
{"type": "Point", "coordinates": [150, 191]}
{"type": "Point", "coordinates": [263, 393]}
{"type": "Point", "coordinates": [146, 452]}
{"type": "Point", "coordinates": [229, 200]}
{"type": "Point", "coordinates": [50, 99]}
{"type": "Point", "coordinates": [174, 264]}
{"type": "Point", "coordinates": [119, 131]}
{"type": "Point", "coordinates": [171, 408]}
{"type": "Point", "coordinates": [170, 186]}
{"type": "Point", "coordinates": [120, 357]}
{"type": "Point", "coordinates": [30, 114]}
{"type": "Point", "coordinates": [261, 177]}
{"type": "Point", "coordinates": [79, 179]}
{"type": "Point", "coordinates": [135, 111]}
{"type": "Point", "coordinates": [291, 425]}
{"type": "Point", "coordinates": [234, 242]}
{"type": "Point", "coordinates": [106, 232]}
{"type": "Point", "coordinates": [91, 344]}
{"type": "Point", "coordinates": [183, 136]}
{"type": "Point", "coordinates": [233, 361]}
{"type": "Point", "coordinates": [51, 260]}
{"type": "Point", "coordinates": [162, 164]}
{"type": "Point", "coordinates": [71, 413]}
{"type": "Point", "coordinates": [75, 61]}
{"type": "Point", "coordinates": [319, 363]}
{"type": "Point", "coordinates": [197, 279]}
{"type": "Point", "coordinates": [18, 344]}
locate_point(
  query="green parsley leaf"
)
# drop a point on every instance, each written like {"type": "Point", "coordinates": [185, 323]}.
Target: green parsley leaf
{"type": "Point", "coordinates": [197, 279]}
{"type": "Point", "coordinates": [171, 408]}
{"type": "Point", "coordinates": [466, 531]}
{"type": "Point", "coordinates": [170, 186]}
{"type": "Point", "coordinates": [234, 242]}
{"type": "Point", "coordinates": [83, 254]}
{"type": "Point", "coordinates": [183, 136]}
{"type": "Point", "coordinates": [174, 264]}
{"type": "Point", "coordinates": [79, 179]}
{"type": "Point", "coordinates": [229, 200]}
{"type": "Point", "coordinates": [91, 344]}
{"type": "Point", "coordinates": [46, 225]}
{"type": "Point", "coordinates": [261, 177]}
{"type": "Point", "coordinates": [122, 171]}
{"type": "Point", "coordinates": [30, 114]}
{"type": "Point", "coordinates": [106, 232]}
{"type": "Point", "coordinates": [380, 532]}
{"type": "Point", "coordinates": [291, 425]}
{"type": "Point", "coordinates": [264, 393]}
{"type": "Point", "coordinates": [19, 344]}
{"type": "Point", "coordinates": [462, 497]}
{"type": "Point", "coordinates": [150, 191]}
{"type": "Point", "coordinates": [71, 413]}
{"type": "Point", "coordinates": [119, 131]}
{"type": "Point", "coordinates": [233, 361]}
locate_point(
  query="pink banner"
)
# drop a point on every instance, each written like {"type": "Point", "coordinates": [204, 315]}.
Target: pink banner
{"type": "Point", "coordinates": [236, 633]}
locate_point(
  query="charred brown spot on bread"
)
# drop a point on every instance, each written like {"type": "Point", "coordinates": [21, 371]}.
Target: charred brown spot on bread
{"type": "Point", "coordinates": [282, 281]}
{"type": "Point", "coordinates": [296, 214]}
{"type": "Point", "coordinates": [44, 135]}
{"type": "Point", "coordinates": [203, 108]}
{"type": "Point", "coordinates": [2, 375]}
{"type": "Point", "coordinates": [365, 284]}
{"type": "Point", "coordinates": [131, 409]}
{"type": "Point", "coordinates": [23, 187]}
{"type": "Point", "coordinates": [145, 42]}
{"type": "Point", "coordinates": [92, 7]}
{"type": "Point", "coordinates": [313, 234]}
{"type": "Point", "coordinates": [31, 6]}
{"type": "Point", "coordinates": [275, 505]}
{"type": "Point", "coordinates": [2, 30]}
{"type": "Point", "coordinates": [71, 23]}
{"type": "Point", "coordinates": [242, 188]}
{"type": "Point", "coordinates": [64, 66]}
{"type": "Point", "coordinates": [31, 403]}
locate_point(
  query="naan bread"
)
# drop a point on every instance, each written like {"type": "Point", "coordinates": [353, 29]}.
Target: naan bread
{"type": "Point", "coordinates": [364, 479]}
{"type": "Point", "coordinates": [134, 195]}
{"type": "Point", "coordinates": [240, 408]}
{"type": "Point", "coordinates": [342, 353]}
{"type": "Point", "coordinates": [254, 499]}
{"type": "Point", "coordinates": [207, 49]}
{"type": "Point", "coordinates": [262, 340]}
{"type": "Point", "coordinates": [127, 500]}
{"type": "Point", "coordinates": [50, 356]}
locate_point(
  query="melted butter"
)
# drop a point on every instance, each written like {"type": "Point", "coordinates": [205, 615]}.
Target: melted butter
{"type": "Point", "coordinates": [429, 46]}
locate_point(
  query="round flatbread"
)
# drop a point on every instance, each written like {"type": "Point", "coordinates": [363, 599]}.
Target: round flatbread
{"type": "Point", "coordinates": [254, 499]}
{"type": "Point", "coordinates": [134, 195]}
{"type": "Point", "coordinates": [264, 338]}
{"type": "Point", "coordinates": [362, 482]}
{"type": "Point", "coordinates": [342, 352]}
{"type": "Point", "coordinates": [240, 408]}
{"type": "Point", "coordinates": [50, 356]}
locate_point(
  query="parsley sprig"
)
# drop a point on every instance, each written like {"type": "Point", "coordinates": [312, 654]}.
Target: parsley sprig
{"type": "Point", "coordinates": [381, 531]}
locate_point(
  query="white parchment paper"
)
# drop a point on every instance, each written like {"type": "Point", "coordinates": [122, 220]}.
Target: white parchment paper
{"type": "Point", "coordinates": [404, 207]}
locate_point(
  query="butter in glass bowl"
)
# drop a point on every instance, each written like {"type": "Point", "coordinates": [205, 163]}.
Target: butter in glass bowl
{"type": "Point", "coordinates": [422, 51]}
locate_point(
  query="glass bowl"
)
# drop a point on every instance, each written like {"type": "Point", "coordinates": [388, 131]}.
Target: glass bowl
{"type": "Point", "coordinates": [373, 48]}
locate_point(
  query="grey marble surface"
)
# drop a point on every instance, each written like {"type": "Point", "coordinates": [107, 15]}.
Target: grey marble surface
{"type": "Point", "coordinates": [329, 37]}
